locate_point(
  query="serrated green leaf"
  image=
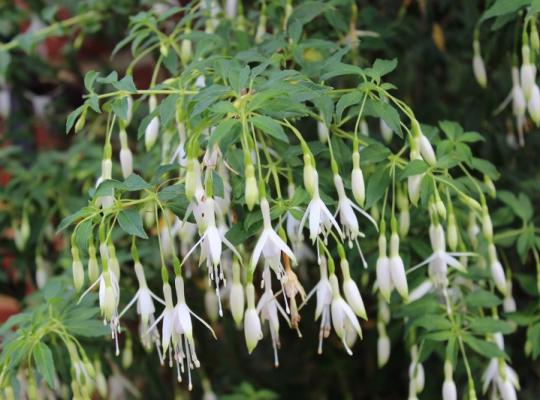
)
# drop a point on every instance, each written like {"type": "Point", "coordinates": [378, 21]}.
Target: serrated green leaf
{"type": "Point", "coordinates": [126, 84]}
{"type": "Point", "coordinates": [44, 362]}
{"type": "Point", "coordinates": [483, 347]}
{"type": "Point", "coordinates": [482, 298]}
{"type": "Point", "coordinates": [270, 126]}
{"type": "Point", "coordinates": [131, 222]}
{"type": "Point", "coordinates": [491, 325]}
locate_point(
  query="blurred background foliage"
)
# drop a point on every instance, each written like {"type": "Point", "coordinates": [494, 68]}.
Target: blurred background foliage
{"type": "Point", "coordinates": [432, 41]}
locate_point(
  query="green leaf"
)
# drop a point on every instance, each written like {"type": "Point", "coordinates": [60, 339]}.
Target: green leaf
{"type": "Point", "coordinates": [385, 111]}
{"type": "Point", "coordinates": [491, 325]}
{"type": "Point", "coordinates": [44, 362]}
{"type": "Point", "coordinates": [225, 129]}
{"type": "Point", "coordinates": [134, 183]}
{"type": "Point", "coordinates": [106, 188]}
{"type": "Point", "coordinates": [167, 109]}
{"type": "Point", "coordinates": [483, 347]}
{"type": "Point", "coordinates": [83, 233]}
{"type": "Point", "coordinates": [346, 101]}
{"type": "Point", "coordinates": [414, 167]}
{"type": "Point", "coordinates": [377, 184]}
{"type": "Point", "coordinates": [74, 115]}
{"type": "Point", "coordinates": [126, 84]}
{"type": "Point", "coordinates": [270, 126]}
{"type": "Point", "coordinates": [482, 298]}
{"type": "Point", "coordinates": [120, 108]}
{"type": "Point", "coordinates": [502, 7]}
{"type": "Point", "coordinates": [432, 322]}
{"type": "Point", "coordinates": [131, 222]}
{"type": "Point", "coordinates": [381, 68]}
{"type": "Point", "coordinates": [89, 80]}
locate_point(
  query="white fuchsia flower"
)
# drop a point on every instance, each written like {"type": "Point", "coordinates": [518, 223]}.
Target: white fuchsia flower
{"type": "Point", "coordinates": [252, 323]}
{"type": "Point", "coordinates": [342, 315]}
{"type": "Point", "coordinates": [323, 291]}
{"type": "Point", "coordinates": [211, 242]}
{"type": "Point", "coordinates": [270, 245]}
{"type": "Point", "coordinates": [502, 377]}
{"type": "Point", "coordinates": [322, 130]}
{"type": "Point", "coordinates": [145, 305]}
{"type": "Point", "coordinates": [439, 261]}
{"type": "Point", "coordinates": [347, 217]}
{"type": "Point", "coordinates": [320, 219]}
{"type": "Point", "coordinates": [109, 298]}
{"type": "Point", "coordinates": [268, 308]}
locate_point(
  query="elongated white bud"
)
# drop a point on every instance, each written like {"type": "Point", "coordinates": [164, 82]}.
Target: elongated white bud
{"type": "Point", "coordinates": [231, 8]}
{"type": "Point", "coordinates": [452, 232]}
{"type": "Point", "coordinates": [386, 131]}
{"type": "Point", "coordinates": [357, 180]}
{"type": "Point", "coordinates": [152, 129]}
{"type": "Point", "coordinates": [211, 304]}
{"type": "Point", "coordinates": [252, 323]}
{"type": "Point", "coordinates": [404, 222]}
{"type": "Point", "coordinates": [351, 292]}
{"type": "Point", "coordinates": [534, 104]}
{"type": "Point", "coordinates": [384, 280]}
{"type": "Point", "coordinates": [186, 51]}
{"type": "Point", "coordinates": [426, 150]}
{"type": "Point", "coordinates": [77, 269]}
{"type": "Point", "coordinates": [322, 131]}
{"type": "Point", "coordinates": [497, 271]}
{"type": "Point", "coordinates": [93, 266]}
{"type": "Point", "coordinates": [449, 390]}
{"type": "Point", "coordinates": [383, 349]}
{"type": "Point", "coordinates": [311, 179]}
{"type": "Point", "coordinates": [236, 301]}
{"type": "Point", "coordinates": [397, 269]}
{"type": "Point", "coordinates": [519, 104]}
{"type": "Point", "coordinates": [5, 103]}
{"type": "Point", "coordinates": [528, 72]}
{"type": "Point", "coordinates": [193, 177]}
{"type": "Point", "coordinates": [478, 65]}
{"type": "Point", "coordinates": [251, 190]}
{"type": "Point", "coordinates": [126, 162]}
